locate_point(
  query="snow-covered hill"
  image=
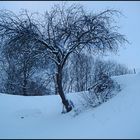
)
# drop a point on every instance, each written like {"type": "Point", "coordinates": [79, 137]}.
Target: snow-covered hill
{"type": "Point", "coordinates": [40, 117]}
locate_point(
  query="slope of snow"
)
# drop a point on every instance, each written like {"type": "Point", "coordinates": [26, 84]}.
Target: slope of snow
{"type": "Point", "coordinates": [40, 117]}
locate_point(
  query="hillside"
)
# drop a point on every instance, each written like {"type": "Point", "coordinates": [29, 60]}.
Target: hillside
{"type": "Point", "coordinates": [40, 117]}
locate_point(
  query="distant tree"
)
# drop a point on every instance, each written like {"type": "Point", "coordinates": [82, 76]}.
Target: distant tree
{"type": "Point", "coordinates": [22, 54]}
{"type": "Point", "coordinates": [79, 71]}
{"type": "Point", "coordinates": [110, 67]}
{"type": "Point", "coordinates": [64, 31]}
{"type": "Point", "coordinates": [21, 62]}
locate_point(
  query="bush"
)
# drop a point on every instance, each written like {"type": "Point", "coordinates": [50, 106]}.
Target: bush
{"type": "Point", "coordinates": [103, 89]}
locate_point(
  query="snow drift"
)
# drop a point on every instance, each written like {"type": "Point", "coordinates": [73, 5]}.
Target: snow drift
{"type": "Point", "coordinates": [40, 117]}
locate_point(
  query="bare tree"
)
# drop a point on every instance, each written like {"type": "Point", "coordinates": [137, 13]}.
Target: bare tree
{"type": "Point", "coordinates": [21, 62]}
{"type": "Point", "coordinates": [110, 67]}
{"type": "Point", "coordinates": [80, 69]}
{"type": "Point", "coordinates": [22, 54]}
{"type": "Point", "coordinates": [65, 30]}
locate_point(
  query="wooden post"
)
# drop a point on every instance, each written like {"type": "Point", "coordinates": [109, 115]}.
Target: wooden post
{"type": "Point", "coordinates": [134, 71]}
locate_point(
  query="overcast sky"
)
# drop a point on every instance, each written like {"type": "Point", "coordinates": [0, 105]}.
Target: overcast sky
{"type": "Point", "coordinates": [129, 23]}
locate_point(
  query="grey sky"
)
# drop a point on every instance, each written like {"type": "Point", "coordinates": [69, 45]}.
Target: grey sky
{"type": "Point", "coordinates": [130, 24]}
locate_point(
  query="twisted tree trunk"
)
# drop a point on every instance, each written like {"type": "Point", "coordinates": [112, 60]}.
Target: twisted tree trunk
{"type": "Point", "coordinates": [60, 89]}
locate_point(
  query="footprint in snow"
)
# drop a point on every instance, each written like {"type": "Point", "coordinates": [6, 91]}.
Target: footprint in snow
{"type": "Point", "coordinates": [24, 113]}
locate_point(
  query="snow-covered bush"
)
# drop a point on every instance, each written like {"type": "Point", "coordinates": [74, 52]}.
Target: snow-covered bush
{"type": "Point", "coordinates": [103, 89]}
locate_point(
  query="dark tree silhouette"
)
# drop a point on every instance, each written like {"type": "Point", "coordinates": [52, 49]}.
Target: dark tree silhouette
{"type": "Point", "coordinates": [62, 31]}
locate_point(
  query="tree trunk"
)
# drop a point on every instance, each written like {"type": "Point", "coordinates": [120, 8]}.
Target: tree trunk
{"type": "Point", "coordinates": [24, 88]}
{"type": "Point", "coordinates": [24, 83]}
{"type": "Point", "coordinates": [55, 84]}
{"type": "Point", "coordinates": [60, 89]}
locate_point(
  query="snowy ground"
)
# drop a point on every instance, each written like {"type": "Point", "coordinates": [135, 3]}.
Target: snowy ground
{"type": "Point", "coordinates": [40, 117]}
